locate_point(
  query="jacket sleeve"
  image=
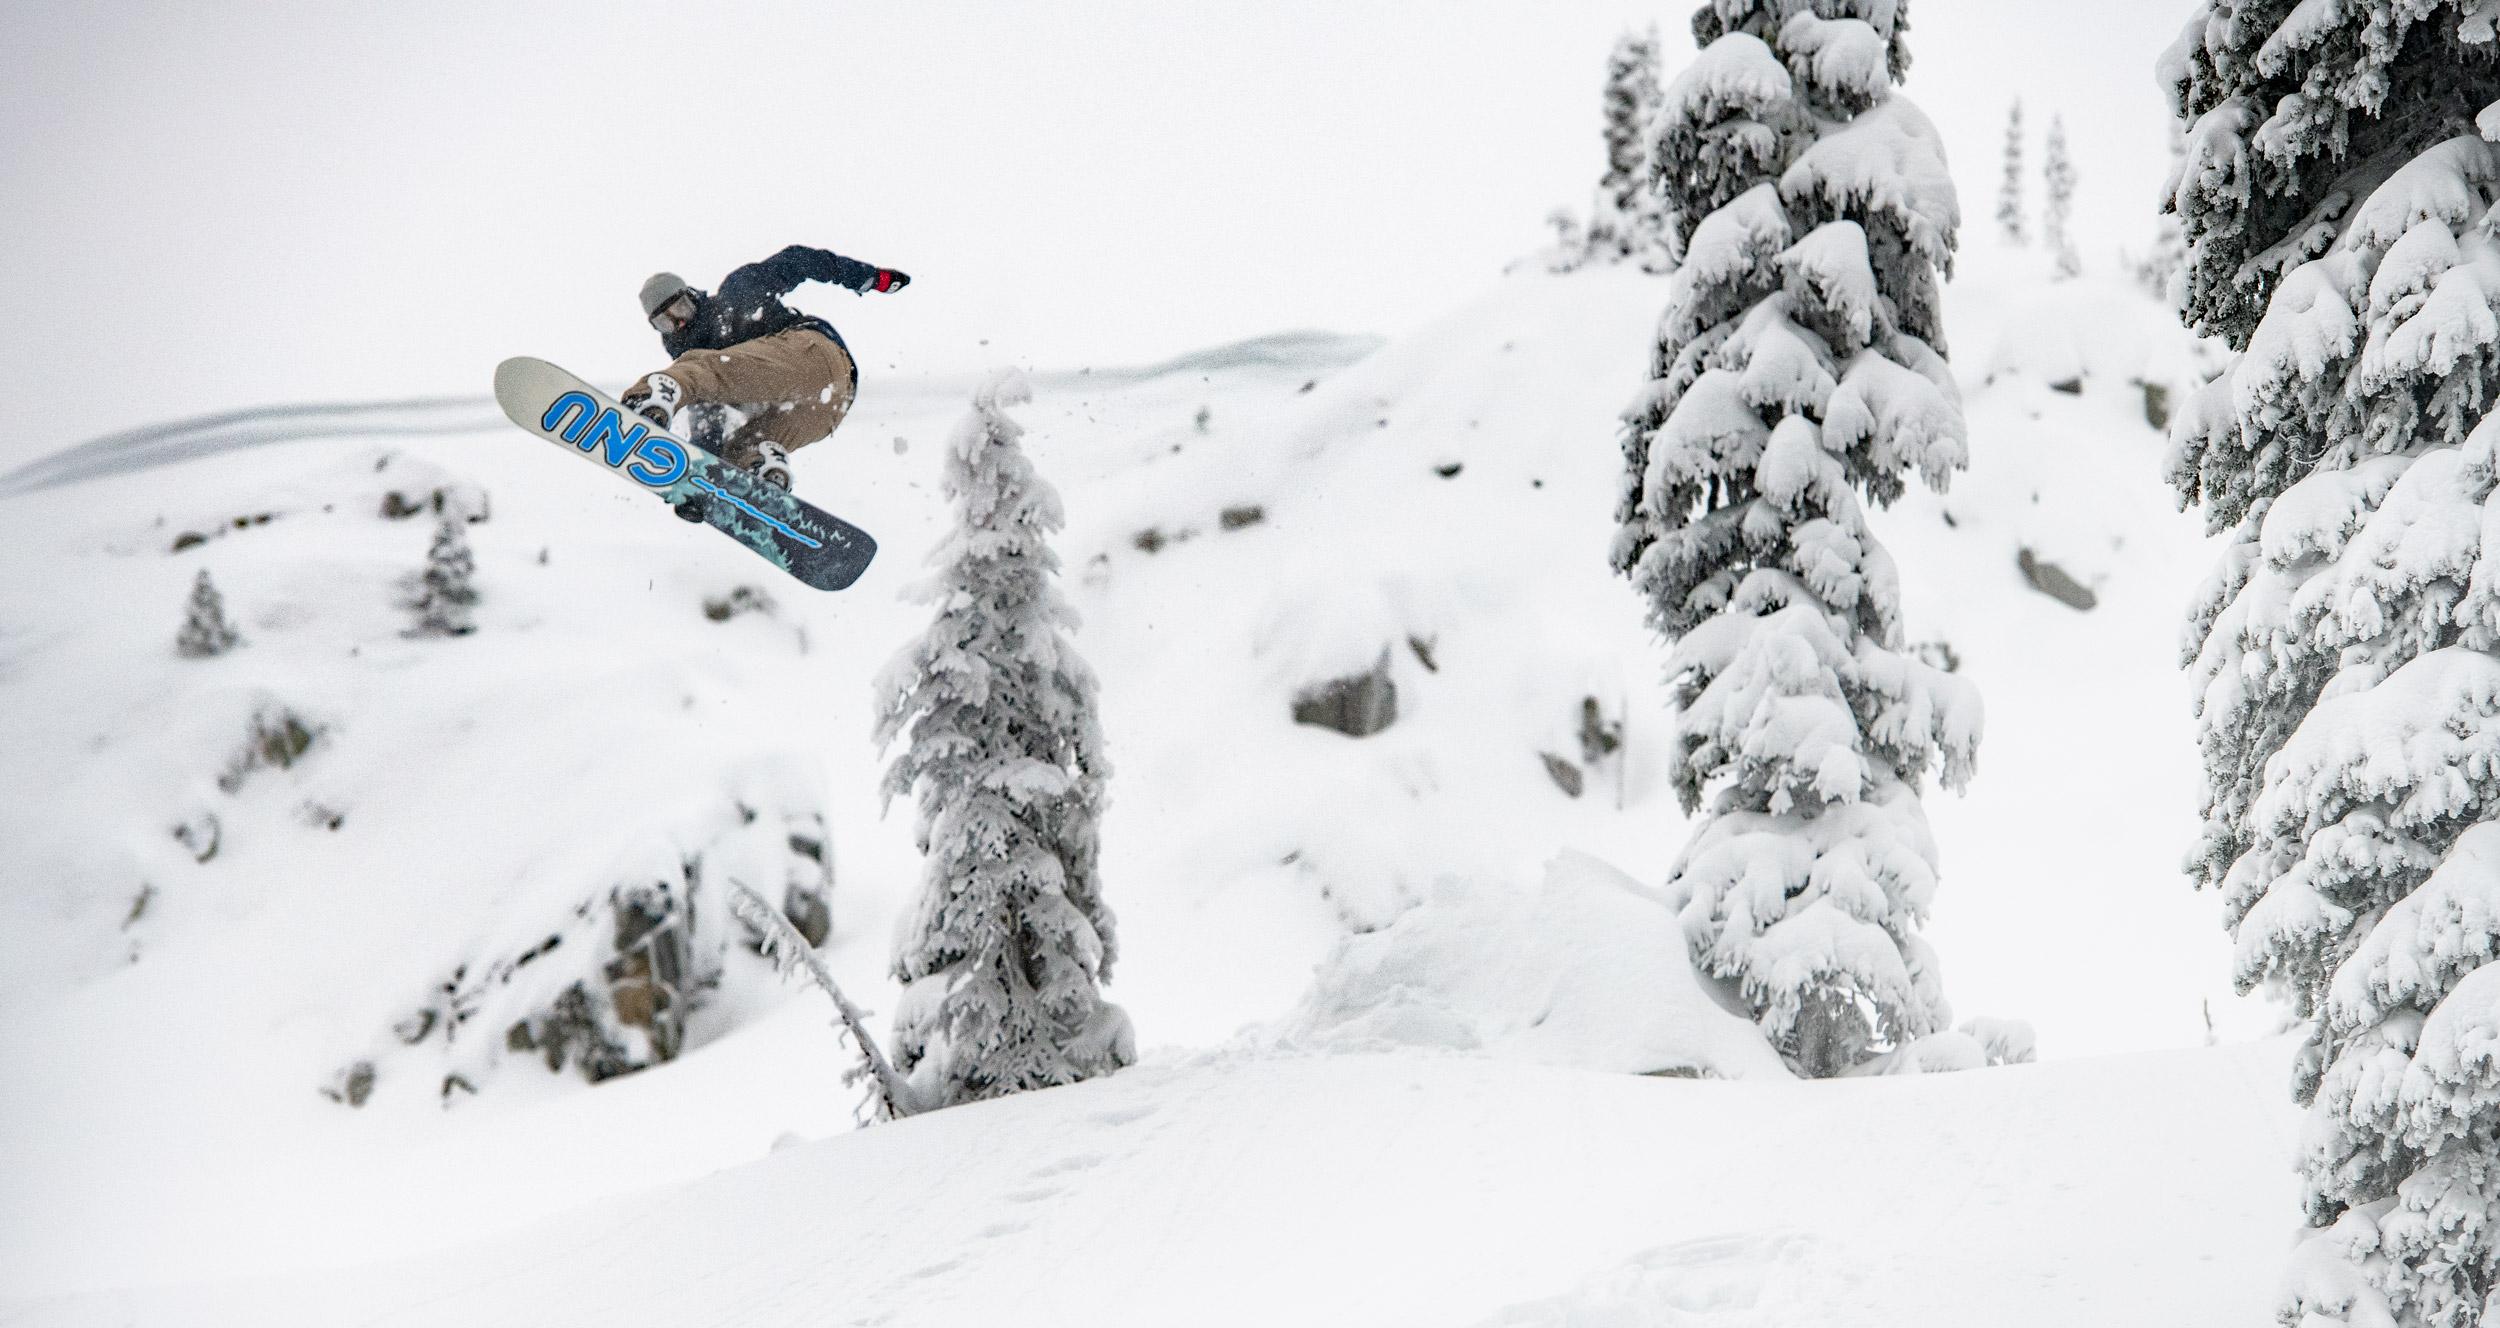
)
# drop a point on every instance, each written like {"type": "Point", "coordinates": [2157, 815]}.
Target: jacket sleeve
{"type": "Point", "coordinates": [783, 271]}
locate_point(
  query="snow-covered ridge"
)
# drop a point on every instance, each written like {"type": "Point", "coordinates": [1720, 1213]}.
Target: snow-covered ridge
{"type": "Point", "coordinates": [1318, 352]}
{"type": "Point", "coordinates": [202, 436]}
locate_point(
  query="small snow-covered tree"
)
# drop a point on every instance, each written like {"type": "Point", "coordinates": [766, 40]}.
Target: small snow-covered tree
{"type": "Point", "coordinates": [205, 631]}
{"type": "Point", "coordinates": [2010, 189]}
{"type": "Point", "coordinates": [445, 590]}
{"type": "Point", "coordinates": [1009, 940]}
{"type": "Point", "coordinates": [2340, 200]}
{"type": "Point", "coordinates": [1625, 222]}
{"type": "Point", "coordinates": [2057, 207]}
{"type": "Point", "coordinates": [1799, 376]}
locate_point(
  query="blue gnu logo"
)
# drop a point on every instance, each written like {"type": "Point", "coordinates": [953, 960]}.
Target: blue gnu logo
{"type": "Point", "coordinates": [654, 460]}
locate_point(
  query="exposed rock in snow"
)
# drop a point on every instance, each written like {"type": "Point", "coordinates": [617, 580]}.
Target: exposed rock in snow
{"type": "Point", "coordinates": [611, 985]}
{"type": "Point", "coordinates": [2054, 581]}
{"type": "Point", "coordinates": [1358, 706]}
{"type": "Point", "coordinates": [1565, 774]}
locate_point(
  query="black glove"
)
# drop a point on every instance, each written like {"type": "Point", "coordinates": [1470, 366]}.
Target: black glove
{"type": "Point", "coordinates": [888, 280]}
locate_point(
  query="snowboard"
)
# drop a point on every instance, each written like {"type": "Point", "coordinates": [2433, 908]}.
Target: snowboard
{"type": "Point", "coordinates": [816, 547]}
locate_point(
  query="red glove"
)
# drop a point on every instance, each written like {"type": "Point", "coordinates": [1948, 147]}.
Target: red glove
{"type": "Point", "coordinates": [889, 280]}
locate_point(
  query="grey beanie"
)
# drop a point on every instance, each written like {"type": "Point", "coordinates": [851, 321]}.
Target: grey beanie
{"type": "Point", "coordinates": [659, 290]}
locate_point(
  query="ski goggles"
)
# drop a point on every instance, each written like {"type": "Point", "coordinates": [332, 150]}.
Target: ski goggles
{"type": "Point", "coordinates": [673, 315]}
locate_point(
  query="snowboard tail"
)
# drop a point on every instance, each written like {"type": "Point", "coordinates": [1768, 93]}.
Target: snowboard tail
{"type": "Point", "coordinates": [812, 545]}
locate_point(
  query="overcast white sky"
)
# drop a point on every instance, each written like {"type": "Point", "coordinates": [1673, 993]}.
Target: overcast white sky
{"type": "Point", "coordinates": [211, 206]}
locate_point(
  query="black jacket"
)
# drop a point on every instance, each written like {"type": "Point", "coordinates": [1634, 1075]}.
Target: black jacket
{"type": "Point", "coordinates": [748, 304]}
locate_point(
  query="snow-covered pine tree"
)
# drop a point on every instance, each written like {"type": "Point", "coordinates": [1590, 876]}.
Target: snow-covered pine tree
{"type": "Point", "coordinates": [2158, 272]}
{"type": "Point", "coordinates": [2057, 207]}
{"type": "Point", "coordinates": [1009, 939]}
{"type": "Point", "coordinates": [2340, 197]}
{"type": "Point", "coordinates": [1798, 375]}
{"type": "Point", "coordinates": [2010, 189]}
{"type": "Point", "coordinates": [205, 631]}
{"type": "Point", "coordinates": [445, 589]}
{"type": "Point", "coordinates": [1625, 221]}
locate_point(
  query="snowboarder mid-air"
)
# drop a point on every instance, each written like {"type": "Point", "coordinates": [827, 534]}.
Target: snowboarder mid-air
{"type": "Point", "coordinates": [788, 376]}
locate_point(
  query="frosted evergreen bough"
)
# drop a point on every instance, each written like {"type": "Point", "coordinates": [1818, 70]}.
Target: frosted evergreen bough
{"type": "Point", "coordinates": [1007, 944]}
{"type": "Point", "coordinates": [2339, 195]}
{"type": "Point", "coordinates": [445, 589]}
{"type": "Point", "coordinates": [2057, 207]}
{"type": "Point", "coordinates": [1799, 374]}
{"type": "Point", "coordinates": [205, 631]}
{"type": "Point", "coordinates": [1625, 222]}
{"type": "Point", "coordinates": [2010, 188]}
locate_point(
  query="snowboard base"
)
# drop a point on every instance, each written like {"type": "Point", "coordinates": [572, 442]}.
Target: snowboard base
{"type": "Point", "coordinates": [812, 545]}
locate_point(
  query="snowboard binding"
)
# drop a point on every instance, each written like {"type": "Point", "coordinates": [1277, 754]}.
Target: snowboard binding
{"type": "Point", "coordinates": [710, 427]}
{"type": "Point", "coordinates": [706, 424]}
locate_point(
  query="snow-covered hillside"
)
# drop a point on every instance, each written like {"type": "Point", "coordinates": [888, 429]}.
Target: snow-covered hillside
{"type": "Point", "coordinates": [1244, 525]}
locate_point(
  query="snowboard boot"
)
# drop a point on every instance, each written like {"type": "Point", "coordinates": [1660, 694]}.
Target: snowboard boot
{"type": "Point", "coordinates": [771, 464]}
{"type": "Point", "coordinates": [656, 398]}
{"type": "Point", "coordinates": [761, 457]}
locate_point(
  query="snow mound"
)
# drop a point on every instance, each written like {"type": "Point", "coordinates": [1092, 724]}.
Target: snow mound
{"type": "Point", "coordinates": [2096, 334]}
{"type": "Point", "coordinates": [1586, 970]}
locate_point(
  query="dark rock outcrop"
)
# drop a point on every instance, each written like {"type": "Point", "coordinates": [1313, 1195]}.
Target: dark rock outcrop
{"type": "Point", "coordinates": [2053, 581]}
{"type": "Point", "coordinates": [279, 739]}
{"type": "Point", "coordinates": [2156, 405]}
{"type": "Point", "coordinates": [1357, 706]}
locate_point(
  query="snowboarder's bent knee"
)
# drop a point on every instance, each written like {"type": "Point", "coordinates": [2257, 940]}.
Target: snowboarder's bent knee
{"type": "Point", "coordinates": [788, 376]}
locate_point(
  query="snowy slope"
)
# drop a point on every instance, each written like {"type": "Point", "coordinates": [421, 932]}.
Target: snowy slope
{"type": "Point", "coordinates": [2065, 855]}
{"type": "Point", "coordinates": [161, 1119]}
{"type": "Point", "coordinates": [1412, 1189]}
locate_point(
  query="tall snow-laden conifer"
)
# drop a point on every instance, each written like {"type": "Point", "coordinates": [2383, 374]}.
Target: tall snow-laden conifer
{"type": "Point", "coordinates": [1009, 939]}
{"type": "Point", "coordinates": [2010, 189]}
{"type": "Point", "coordinates": [1625, 222]}
{"type": "Point", "coordinates": [2340, 199]}
{"type": "Point", "coordinates": [2057, 205]}
{"type": "Point", "coordinates": [1798, 376]}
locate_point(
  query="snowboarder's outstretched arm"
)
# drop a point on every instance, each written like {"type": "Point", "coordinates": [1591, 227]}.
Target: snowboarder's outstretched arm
{"type": "Point", "coordinates": [783, 271]}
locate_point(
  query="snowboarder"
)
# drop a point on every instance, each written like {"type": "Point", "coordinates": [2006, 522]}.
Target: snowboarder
{"type": "Point", "coordinates": [787, 374]}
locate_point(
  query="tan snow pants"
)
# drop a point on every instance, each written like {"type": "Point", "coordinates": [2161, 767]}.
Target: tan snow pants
{"type": "Point", "coordinates": [794, 386]}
